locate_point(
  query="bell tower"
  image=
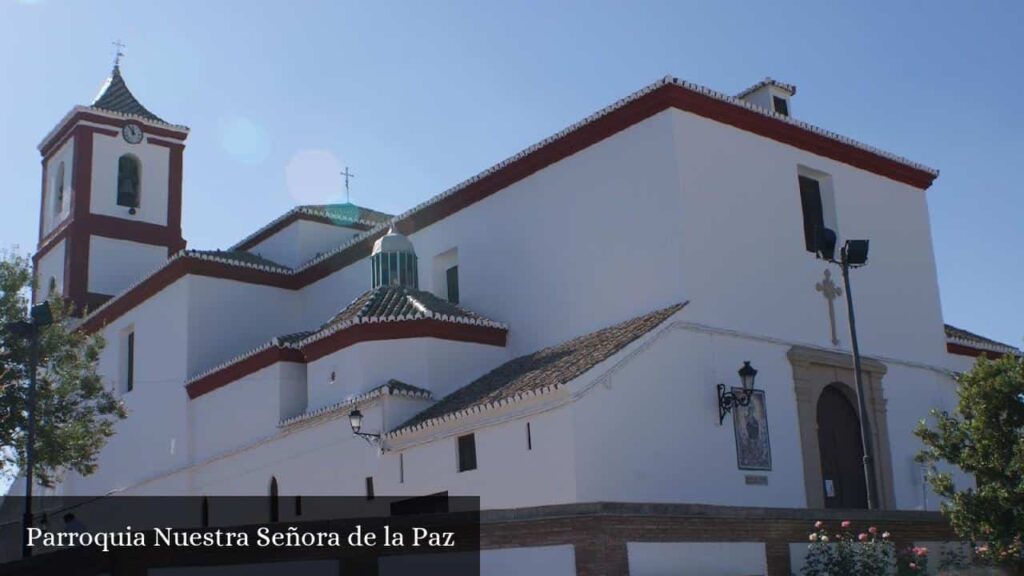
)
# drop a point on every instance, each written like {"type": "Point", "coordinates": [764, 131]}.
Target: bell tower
{"type": "Point", "coordinates": [110, 204]}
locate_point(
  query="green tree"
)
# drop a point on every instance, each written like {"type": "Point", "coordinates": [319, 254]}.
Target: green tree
{"type": "Point", "coordinates": [75, 413]}
{"type": "Point", "coordinates": [985, 438]}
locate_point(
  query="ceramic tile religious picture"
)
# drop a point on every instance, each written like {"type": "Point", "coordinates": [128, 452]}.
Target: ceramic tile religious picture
{"type": "Point", "coordinates": [753, 449]}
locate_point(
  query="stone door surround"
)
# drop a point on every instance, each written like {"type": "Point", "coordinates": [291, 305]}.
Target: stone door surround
{"type": "Point", "coordinates": [813, 370]}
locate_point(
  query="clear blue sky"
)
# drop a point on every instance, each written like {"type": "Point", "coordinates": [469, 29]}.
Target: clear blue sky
{"type": "Point", "coordinates": [417, 96]}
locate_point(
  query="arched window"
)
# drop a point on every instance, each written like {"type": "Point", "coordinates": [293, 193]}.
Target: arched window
{"type": "Point", "coordinates": [58, 191]}
{"type": "Point", "coordinates": [274, 514]}
{"type": "Point", "coordinates": [128, 181]}
{"type": "Point", "coordinates": [52, 288]}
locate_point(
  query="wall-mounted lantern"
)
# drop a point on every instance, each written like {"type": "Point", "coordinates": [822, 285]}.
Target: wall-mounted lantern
{"type": "Point", "coordinates": [729, 398]}
{"type": "Point", "coordinates": [355, 419]}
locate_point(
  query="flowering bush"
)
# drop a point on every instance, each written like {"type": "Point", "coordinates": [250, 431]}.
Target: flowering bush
{"type": "Point", "coordinates": [912, 561]}
{"type": "Point", "coordinates": [846, 552]}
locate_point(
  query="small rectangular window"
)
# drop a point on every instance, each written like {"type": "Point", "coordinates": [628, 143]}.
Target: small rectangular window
{"type": "Point", "coordinates": [529, 437]}
{"type": "Point", "coordinates": [401, 468]}
{"type": "Point", "coordinates": [814, 215]}
{"type": "Point", "coordinates": [452, 277]}
{"type": "Point", "coordinates": [467, 452]}
{"type": "Point", "coordinates": [129, 377]}
{"type": "Point", "coordinates": [781, 106]}
{"type": "Point", "coordinates": [369, 488]}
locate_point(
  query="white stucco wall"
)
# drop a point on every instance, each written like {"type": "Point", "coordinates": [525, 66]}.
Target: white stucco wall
{"type": "Point", "coordinates": [911, 394]}
{"type": "Point", "coordinates": [249, 409]}
{"type": "Point", "coordinates": [301, 241]}
{"type": "Point", "coordinates": [696, 558]}
{"type": "Point", "coordinates": [227, 318]}
{"type": "Point", "coordinates": [114, 265]}
{"type": "Point", "coordinates": [562, 252]}
{"type": "Point", "coordinates": [51, 265]}
{"type": "Point", "coordinates": [743, 248]}
{"type": "Point", "coordinates": [441, 366]}
{"type": "Point", "coordinates": [153, 438]}
{"type": "Point", "coordinates": [661, 407]}
{"type": "Point", "coordinates": [154, 171]}
{"type": "Point", "coordinates": [959, 363]}
{"type": "Point", "coordinates": [537, 561]}
{"type": "Point", "coordinates": [763, 97]}
{"type": "Point", "coordinates": [675, 208]}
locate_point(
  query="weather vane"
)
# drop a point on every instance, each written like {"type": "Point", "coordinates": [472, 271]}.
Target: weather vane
{"type": "Point", "coordinates": [118, 53]}
{"type": "Point", "coordinates": [347, 175]}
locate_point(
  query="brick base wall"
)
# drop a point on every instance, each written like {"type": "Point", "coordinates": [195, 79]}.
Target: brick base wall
{"type": "Point", "coordinates": [600, 532]}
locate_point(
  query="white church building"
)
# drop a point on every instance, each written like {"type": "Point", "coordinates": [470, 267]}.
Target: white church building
{"type": "Point", "coordinates": [549, 334]}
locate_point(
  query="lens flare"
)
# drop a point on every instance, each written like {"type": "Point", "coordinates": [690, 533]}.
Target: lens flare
{"type": "Point", "coordinates": [244, 140]}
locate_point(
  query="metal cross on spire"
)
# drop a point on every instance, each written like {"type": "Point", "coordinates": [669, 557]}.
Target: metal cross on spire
{"type": "Point", "coordinates": [118, 45]}
{"type": "Point", "coordinates": [347, 175]}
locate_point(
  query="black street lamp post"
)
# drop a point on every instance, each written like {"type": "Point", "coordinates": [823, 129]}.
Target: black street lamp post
{"type": "Point", "coordinates": [40, 316]}
{"type": "Point", "coordinates": [853, 254]}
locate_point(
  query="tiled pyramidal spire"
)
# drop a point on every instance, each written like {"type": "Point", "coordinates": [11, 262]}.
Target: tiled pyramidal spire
{"type": "Point", "coordinates": [116, 97]}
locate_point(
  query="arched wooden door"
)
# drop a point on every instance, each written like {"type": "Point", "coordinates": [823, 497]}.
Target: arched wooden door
{"type": "Point", "coordinates": [842, 454]}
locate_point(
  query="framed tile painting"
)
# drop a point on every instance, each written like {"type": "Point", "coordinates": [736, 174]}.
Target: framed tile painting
{"type": "Point", "coordinates": [750, 422]}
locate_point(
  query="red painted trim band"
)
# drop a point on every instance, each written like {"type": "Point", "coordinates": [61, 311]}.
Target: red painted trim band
{"type": "Point", "coordinates": [81, 115]}
{"type": "Point", "coordinates": [427, 328]}
{"type": "Point", "coordinates": [963, 350]}
{"type": "Point", "coordinates": [663, 98]}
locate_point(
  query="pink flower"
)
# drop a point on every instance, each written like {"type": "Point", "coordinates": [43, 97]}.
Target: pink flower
{"type": "Point", "coordinates": [863, 537]}
{"type": "Point", "coordinates": [845, 524]}
{"type": "Point", "coordinates": [873, 530]}
{"type": "Point", "coordinates": [921, 551]}
{"type": "Point", "coordinates": [885, 534]}
{"type": "Point", "coordinates": [913, 566]}
{"type": "Point", "coordinates": [819, 524]}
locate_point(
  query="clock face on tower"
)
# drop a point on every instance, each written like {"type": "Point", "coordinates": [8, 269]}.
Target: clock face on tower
{"type": "Point", "coordinates": [132, 133]}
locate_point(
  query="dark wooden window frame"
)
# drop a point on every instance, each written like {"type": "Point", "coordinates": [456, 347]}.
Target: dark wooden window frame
{"type": "Point", "coordinates": [466, 446]}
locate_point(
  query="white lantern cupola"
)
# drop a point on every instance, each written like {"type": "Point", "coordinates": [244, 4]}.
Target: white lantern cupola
{"type": "Point", "coordinates": [393, 261]}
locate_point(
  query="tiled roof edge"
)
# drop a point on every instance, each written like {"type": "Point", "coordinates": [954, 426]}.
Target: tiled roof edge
{"type": "Point", "coordinates": [459, 414]}
{"type": "Point", "coordinates": [300, 210]}
{"type": "Point", "coordinates": [991, 347]}
{"type": "Point", "coordinates": [768, 81]}
{"type": "Point", "coordinates": [423, 314]}
{"type": "Point", "coordinates": [384, 389]}
{"type": "Point", "coordinates": [324, 333]}
{"type": "Point", "coordinates": [667, 80]}
{"type": "Point", "coordinates": [110, 113]}
{"type": "Point", "coordinates": [265, 346]}
{"type": "Point", "coordinates": [403, 430]}
{"type": "Point", "coordinates": [195, 255]}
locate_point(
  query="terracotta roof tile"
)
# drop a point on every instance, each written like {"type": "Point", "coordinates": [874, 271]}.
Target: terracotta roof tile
{"type": "Point", "coordinates": [967, 338]}
{"type": "Point", "coordinates": [552, 366]}
{"type": "Point", "coordinates": [238, 256]}
{"type": "Point", "coordinates": [401, 302]}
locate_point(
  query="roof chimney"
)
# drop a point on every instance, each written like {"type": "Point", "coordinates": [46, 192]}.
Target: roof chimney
{"type": "Point", "coordinates": [771, 95]}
